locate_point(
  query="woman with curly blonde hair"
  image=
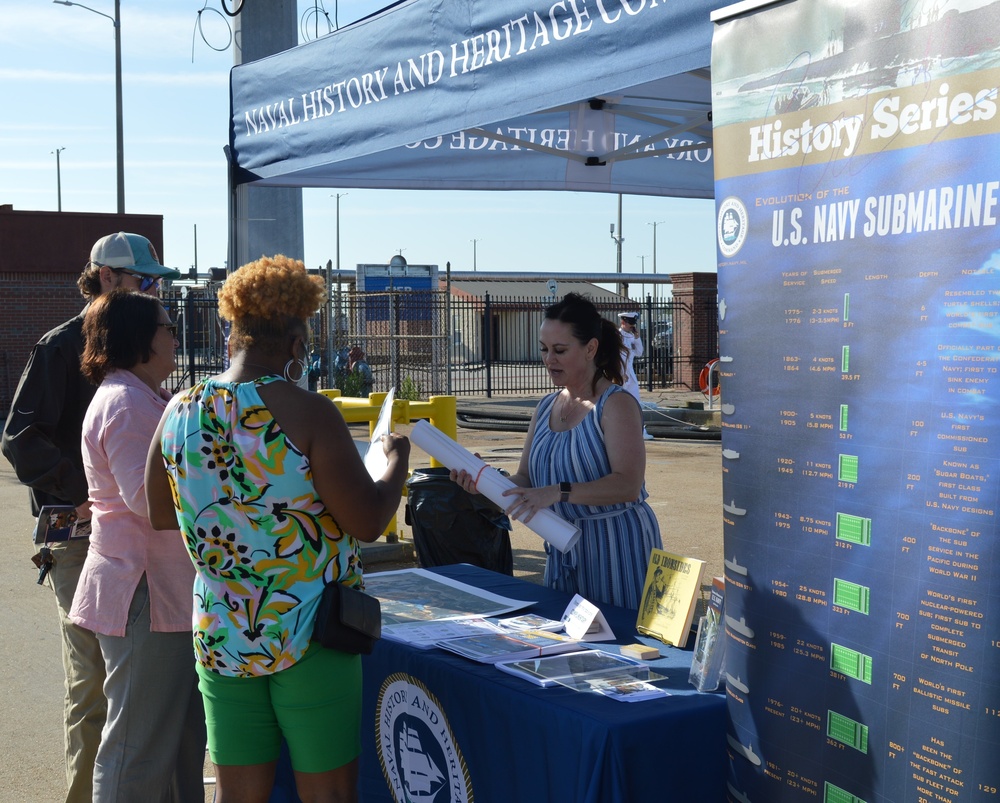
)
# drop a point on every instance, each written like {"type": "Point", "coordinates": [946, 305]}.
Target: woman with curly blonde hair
{"type": "Point", "coordinates": [271, 498]}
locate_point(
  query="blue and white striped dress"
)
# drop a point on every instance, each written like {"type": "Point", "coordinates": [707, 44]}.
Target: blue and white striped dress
{"type": "Point", "coordinates": [608, 564]}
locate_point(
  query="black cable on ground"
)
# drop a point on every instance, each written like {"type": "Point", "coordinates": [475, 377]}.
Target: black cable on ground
{"type": "Point", "coordinates": [498, 422]}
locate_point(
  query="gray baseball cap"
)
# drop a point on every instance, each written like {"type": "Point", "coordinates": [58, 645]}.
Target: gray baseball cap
{"type": "Point", "coordinates": [132, 252]}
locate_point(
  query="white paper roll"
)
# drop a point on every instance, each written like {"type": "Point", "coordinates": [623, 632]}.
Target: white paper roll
{"type": "Point", "coordinates": [491, 484]}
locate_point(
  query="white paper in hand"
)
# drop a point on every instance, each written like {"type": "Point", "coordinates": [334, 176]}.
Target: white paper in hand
{"type": "Point", "coordinates": [375, 460]}
{"type": "Point", "coordinates": [562, 534]}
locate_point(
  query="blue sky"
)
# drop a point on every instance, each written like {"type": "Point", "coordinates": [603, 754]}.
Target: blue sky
{"type": "Point", "coordinates": [57, 91]}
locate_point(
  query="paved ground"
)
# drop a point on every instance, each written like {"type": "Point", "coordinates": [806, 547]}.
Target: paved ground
{"type": "Point", "coordinates": [683, 477]}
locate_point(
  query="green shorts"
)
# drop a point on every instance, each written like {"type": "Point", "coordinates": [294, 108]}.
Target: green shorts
{"type": "Point", "coordinates": [314, 705]}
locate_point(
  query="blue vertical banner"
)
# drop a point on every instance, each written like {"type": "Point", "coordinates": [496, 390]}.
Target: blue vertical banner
{"type": "Point", "coordinates": [857, 158]}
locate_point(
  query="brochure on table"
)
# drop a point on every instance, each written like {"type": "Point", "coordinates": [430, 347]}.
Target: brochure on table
{"type": "Point", "coordinates": [417, 595]}
{"type": "Point", "coordinates": [590, 669]}
{"type": "Point", "coordinates": [491, 483]}
{"type": "Point", "coordinates": [422, 610]}
{"type": "Point", "coordinates": [427, 635]}
{"type": "Point", "coordinates": [528, 621]}
{"type": "Point", "coordinates": [489, 648]}
{"type": "Point", "coordinates": [710, 643]}
{"type": "Point", "coordinates": [626, 690]}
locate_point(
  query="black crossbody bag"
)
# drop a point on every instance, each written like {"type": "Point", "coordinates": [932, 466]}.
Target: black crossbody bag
{"type": "Point", "coordinates": [348, 620]}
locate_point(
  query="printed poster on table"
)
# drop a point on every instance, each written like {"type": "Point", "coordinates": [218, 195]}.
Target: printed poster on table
{"type": "Point", "coordinates": [857, 197]}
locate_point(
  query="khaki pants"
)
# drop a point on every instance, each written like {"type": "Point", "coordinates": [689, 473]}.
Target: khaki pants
{"type": "Point", "coordinates": [85, 708]}
{"type": "Point", "coordinates": [153, 745]}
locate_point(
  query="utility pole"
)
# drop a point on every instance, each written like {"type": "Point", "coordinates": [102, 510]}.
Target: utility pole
{"type": "Point", "coordinates": [119, 125]}
{"type": "Point", "coordinates": [654, 224]}
{"type": "Point", "coordinates": [333, 315]}
{"type": "Point", "coordinates": [619, 239]}
{"type": "Point", "coordinates": [116, 20]}
{"type": "Point", "coordinates": [58, 180]}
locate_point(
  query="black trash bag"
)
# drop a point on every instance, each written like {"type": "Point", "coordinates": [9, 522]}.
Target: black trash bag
{"type": "Point", "coordinates": [451, 525]}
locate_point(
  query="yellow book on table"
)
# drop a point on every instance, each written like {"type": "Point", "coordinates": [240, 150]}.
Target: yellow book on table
{"type": "Point", "coordinates": [669, 597]}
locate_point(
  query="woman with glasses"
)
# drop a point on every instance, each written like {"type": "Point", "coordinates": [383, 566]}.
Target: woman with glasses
{"type": "Point", "coordinates": [135, 588]}
{"type": "Point", "coordinates": [272, 498]}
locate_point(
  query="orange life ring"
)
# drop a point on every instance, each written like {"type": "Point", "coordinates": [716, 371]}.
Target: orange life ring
{"type": "Point", "coordinates": [703, 379]}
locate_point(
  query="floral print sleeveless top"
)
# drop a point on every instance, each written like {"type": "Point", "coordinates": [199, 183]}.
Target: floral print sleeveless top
{"type": "Point", "coordinates": [263, 543]}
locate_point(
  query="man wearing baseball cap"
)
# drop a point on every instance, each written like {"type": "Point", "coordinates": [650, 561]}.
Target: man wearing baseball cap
{"type": "Point", "coordinates": [632, 344]}
{"type": "Point", "coordinates": [129, 255]}
{"type": "Point", "coordinates": [41, 439]}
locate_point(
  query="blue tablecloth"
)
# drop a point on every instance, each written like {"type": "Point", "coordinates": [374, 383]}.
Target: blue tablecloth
{"type": "Point", "coordinates": [472, 727]}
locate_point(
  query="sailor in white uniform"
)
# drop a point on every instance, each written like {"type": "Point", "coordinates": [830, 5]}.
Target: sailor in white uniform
{"type": "Point", "coordinates": [629, 330]}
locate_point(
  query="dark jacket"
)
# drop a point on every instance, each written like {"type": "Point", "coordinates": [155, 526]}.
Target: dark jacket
{"type": "Point", "coordinates": [41, 438]}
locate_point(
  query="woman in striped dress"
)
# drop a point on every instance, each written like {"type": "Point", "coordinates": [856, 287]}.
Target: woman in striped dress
{"type": "Point", "coordinates": [584, 457]}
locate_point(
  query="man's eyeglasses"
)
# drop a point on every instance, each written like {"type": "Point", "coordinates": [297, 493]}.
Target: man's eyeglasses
{"type": "Point", "coordinates": [170, 327]}
{"type": "Point", "coordinates": [146, 283]}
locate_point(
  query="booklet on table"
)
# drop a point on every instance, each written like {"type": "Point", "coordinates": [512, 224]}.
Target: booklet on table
{"type": "Point", "coordinates": [489, 648]}
{"type": "Point", "coordinates": [575, 669]}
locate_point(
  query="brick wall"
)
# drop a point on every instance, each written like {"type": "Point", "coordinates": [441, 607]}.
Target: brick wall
{"type": "Point", "coordinates": [696, 341]}
{"type": "Point", "coordinates": [41, 257]}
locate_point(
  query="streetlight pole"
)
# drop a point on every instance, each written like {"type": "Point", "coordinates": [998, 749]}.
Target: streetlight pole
{"type": "Point", "coordinates": [119, 127]}
{"type": "Point", "coordinates": [474, 254]}
{"type": "Point", "coordinates": [654, 224]}
{"type": "Point", "coordinates": [57, 151]}
{"type": "Point", "coordinates": [329, 299]}
{"type": "Point", "coordinates": [619, 239]}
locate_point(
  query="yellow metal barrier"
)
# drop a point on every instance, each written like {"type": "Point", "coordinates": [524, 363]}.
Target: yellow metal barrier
{"type": "Point", "coordinates": [440, 411]}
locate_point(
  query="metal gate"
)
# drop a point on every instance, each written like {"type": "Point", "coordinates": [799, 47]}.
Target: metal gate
{"type": "Point", "coordinates": [426, 343]}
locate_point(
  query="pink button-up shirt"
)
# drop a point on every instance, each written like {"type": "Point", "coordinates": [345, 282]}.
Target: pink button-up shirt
{"type": "Point", "coordinates": [117, 431]}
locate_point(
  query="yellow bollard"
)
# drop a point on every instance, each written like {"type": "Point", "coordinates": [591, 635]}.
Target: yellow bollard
{"type": "Point", "coordinates": [440, 411]}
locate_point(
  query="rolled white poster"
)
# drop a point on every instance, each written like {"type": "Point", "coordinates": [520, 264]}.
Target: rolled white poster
{"type": "Point", "coordinates": [491, 484]}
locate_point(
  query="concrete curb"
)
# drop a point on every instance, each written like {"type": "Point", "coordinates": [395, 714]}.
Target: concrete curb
{"type": "Point", "coordinates": [381, 552]}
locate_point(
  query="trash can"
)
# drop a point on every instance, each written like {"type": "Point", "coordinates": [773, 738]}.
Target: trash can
{"type": "Point", "coordinates": [451, 525]}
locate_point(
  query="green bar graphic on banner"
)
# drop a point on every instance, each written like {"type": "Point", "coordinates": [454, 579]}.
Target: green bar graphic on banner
{"type": "Point", "coordinates": [856, 529]}
{"type": "Point", "coordinates": [851, 663]}
{"type": "Point", "coordinates": [846, 730]}
{"type": "Point", "coordinates": [850, 595]}
{"type": "Point", "coordinates": [834, 794]}
{"type": "Point", "coordinates": [848, 468]}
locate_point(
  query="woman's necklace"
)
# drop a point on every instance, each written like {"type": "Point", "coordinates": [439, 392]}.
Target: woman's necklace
{"type": "Point", "coordinates": [568, 409]}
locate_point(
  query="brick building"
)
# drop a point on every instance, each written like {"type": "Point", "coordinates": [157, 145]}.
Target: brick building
{"type": "Point", "coordinates": [41, 257]}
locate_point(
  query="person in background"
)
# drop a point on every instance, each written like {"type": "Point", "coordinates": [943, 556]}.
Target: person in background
{"type": "Point", "coordinates": [41, 439]}
{"type": "Point", "coordinates": [315, 369]}
{"type": "Point", "coordinates": [583, 458]}
{"type": "Point", "coordinates": [135, 588]}
{"type": "Point", "coordinates": [272, 498]}
{"type": "Point", "coordinates": [632, 348]}
{"type": "Point", "coordinates": [341, 366]}
{"type": "Point", "coordinates": [360, 368]}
